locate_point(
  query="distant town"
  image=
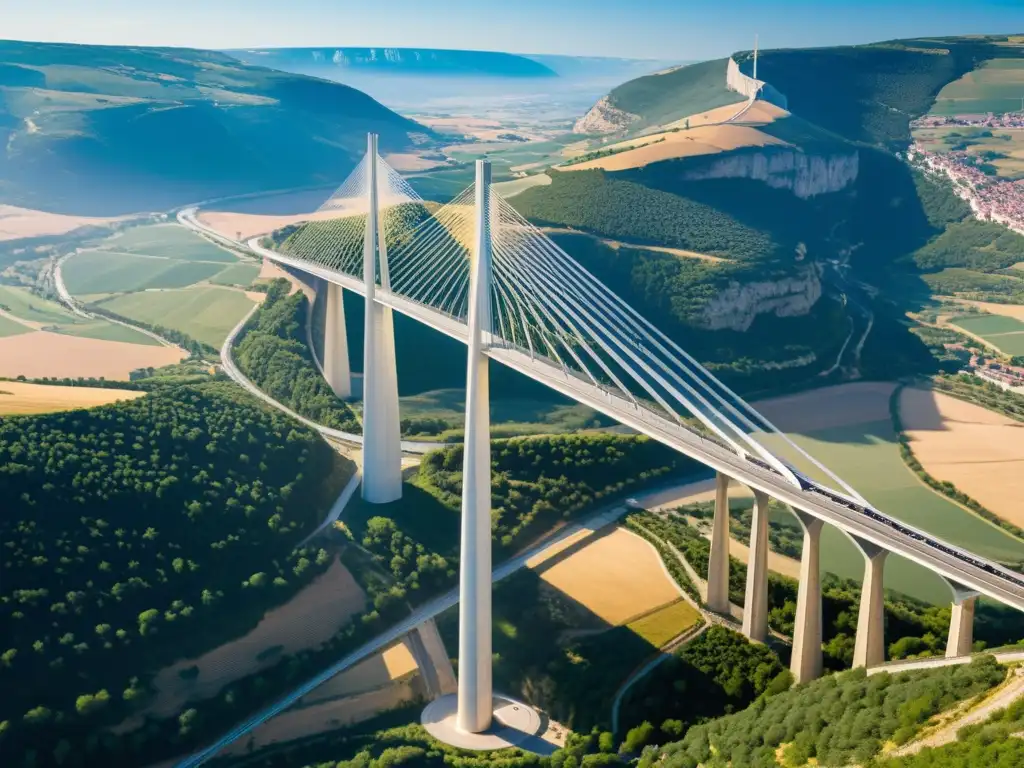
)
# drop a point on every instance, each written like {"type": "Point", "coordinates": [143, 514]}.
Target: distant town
{"type": "Point", "coordinates": [990, 197]}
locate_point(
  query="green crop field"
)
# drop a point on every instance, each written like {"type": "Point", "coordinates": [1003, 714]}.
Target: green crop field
{"type": "Point", "coordinates": [172, 241]}
{"type": "Point", "coordinates": [10, 328]}
{"type": "Point", "coordinates": [996, 86]}
{"type": "Point", "coordinates": [27, 306]}
{"type": "Point", "coordinates": [1006, 333]}
{"type": "Point", "coordinates": [105, 272]}
{"type": "Point", "coordinates": [204, 313]}
{"type": "Point", "coordinates": [867, 456]}
{"type": "Point", "coordinates": [237, 274]}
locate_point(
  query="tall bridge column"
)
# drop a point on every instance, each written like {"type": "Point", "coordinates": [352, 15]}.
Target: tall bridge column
{"type": "Point", "coordinates": [806, 661]}
{"type": "Point", "coordinates": [336, 366]}
{"type": "Point", "coordinates": [755, 605]}
{"type": "Point", "coordinates": [382, 437]}
{"type": "Point", "coordinates": [718, 560]}
{"type": "Point", "coordinates": [961, 623]}
{"type": "Point", "coordinates": [869, 648]}
{"type": "Point", "coordinates": [476, 701]}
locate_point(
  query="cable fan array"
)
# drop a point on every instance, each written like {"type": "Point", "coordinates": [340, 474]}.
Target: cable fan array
{"type": "Point", "coordinates": [543, 303]}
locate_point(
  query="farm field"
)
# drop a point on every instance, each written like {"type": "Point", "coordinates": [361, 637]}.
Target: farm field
{"type": "Point", "coordinates": [18, 398]}
{"type": "Point", "coordinates": [10, 327]}
{"type": "Point", "coordinates": [306, 621]}
{"type": "Point", "coordinates": [979, 451]}
{"type": "Point", "coordinates": [614, 574]}
{"type": "Point", "coordinates": [662, 624]}
{"type": "Point", "coordinates": [1000, 147]}
{"type": "Point", "coordinates": [995, 86]}
{"type": "Point", "coordinates": [36, 313]}
{"type": "Point", "coordinates": [16, 223]}
{"type": "Point", "coordinates": [237, 274]}
{"type": "Point", "coordinates": [169, 241]}
{"type": "Point", "coordinates": [848, 428]}
{"type": "Point", "coordinates": [1002, 332]}
{"type": "Point", "coordinates": [206, 313]}
{"type": "Point", "coordinates": [112, 272]}
{"type": "Point", "coordinates": [39, 354]}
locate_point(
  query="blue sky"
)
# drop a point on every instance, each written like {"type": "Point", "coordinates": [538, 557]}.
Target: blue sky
{"type": "Point", "coordinates": [663, 29]}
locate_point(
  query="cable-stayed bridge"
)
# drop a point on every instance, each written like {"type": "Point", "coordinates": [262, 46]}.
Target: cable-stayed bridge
{"type": "Point", "coordinates": [475, 270]}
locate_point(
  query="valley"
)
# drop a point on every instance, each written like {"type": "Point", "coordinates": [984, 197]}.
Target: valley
{"type": "Point", "coordinates": [801, 236]}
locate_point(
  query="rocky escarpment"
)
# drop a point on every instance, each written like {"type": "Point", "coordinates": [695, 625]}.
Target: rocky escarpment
{"type": "Point", "coordinates": [735, 307]}
{"type": "Point", "coordinates": [805, 175]}
{"type": "Point", "coordinates": [603, 118]}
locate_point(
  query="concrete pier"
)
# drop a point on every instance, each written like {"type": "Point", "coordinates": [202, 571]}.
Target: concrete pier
{"type": "Point", "coordinates": [336, 364]}
{"type": "Point", "coordinates": [718, 560]}
{"type": "Point", "coordinates": [755, 604]}
{"type": "Point", "coordinates": [869, 648]}
{"type": "Point", "coordinates": [806, 661]}
{"type": "Point", "coordinates": [475, 697]}
{"type": "Point", "coordinates": [382, 437]}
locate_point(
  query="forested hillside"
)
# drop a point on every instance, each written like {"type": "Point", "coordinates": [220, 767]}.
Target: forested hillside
{"type": "Point", "coordinates": [137, 533]}
{"type": "Point", "coordinates": [273, 353]}
{"type": "Point", "coordinates": [837, 721]}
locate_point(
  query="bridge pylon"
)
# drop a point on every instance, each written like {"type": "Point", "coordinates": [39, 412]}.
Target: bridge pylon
{"type": "Point", "coordinates": [476, 718]}
{"type": "Point", "coordinates": [382, 438]}
{"type": "Point", "coordinates": [336, 365]}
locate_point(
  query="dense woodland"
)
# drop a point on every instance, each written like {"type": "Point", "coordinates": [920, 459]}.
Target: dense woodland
{"type": "Point", "coordinates": [836, 720]}
{"type": "Point", "coordinates": [273, 353]}
{"type": "Point", "coordinates": [135, 534]}
{"type": "Point", "coordinates": [983, 246]}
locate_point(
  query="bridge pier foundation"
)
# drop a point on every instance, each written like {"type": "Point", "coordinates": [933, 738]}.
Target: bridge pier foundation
{"type": "Point", "coordinates": [961, 629]}
{"type": "Point", "coordinates": [806, 662]}
{"type": "Point", "coordinates": [718, 560]}
{"type": "Point", "coordinates": [755, 604]}
{"type": "Point", "coordinates": [336, 364]}
{"type": "Point", "coordinates": [869, 648]}
{"type": "Point", "coordinates": [961, 623]}
{"type": "Point", "coordinates": [382, 436]}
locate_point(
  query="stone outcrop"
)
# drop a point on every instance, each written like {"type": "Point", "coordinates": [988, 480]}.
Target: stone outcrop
{"type": "Point", "coordinates": [804, 175]}
{"type": "Point", "coordinates": [735, 307]}
{"type": "Point", "coordinates": [603, 119]}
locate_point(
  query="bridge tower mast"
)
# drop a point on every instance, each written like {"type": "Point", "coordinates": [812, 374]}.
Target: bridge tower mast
{"type": "Point", "coordinates": [382, 438]}
{"type": "Point", "coordinates": [476, 700]}
{"type": "Point", "coordinates": [755, 57]}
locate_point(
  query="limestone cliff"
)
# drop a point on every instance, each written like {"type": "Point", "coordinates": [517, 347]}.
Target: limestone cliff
{"type": "Point", "coordinates": [735, 307]}
{"type": "Point", "coordinates": [603, 119]}
{"type": "Point", "coordinates": [805, 175]}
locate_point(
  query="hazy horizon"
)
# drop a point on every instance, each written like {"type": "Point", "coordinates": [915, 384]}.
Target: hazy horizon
{"type": "Point", "coordinates": [641, 29]}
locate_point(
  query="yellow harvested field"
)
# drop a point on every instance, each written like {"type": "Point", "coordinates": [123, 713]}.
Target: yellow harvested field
{"type": "Point", "coordinates": [981, 452]}
{"type": "Point", "coordinates": [665, 623]}
{"type": "Point", "coordinates": [374, 672]}
{"type": "Point", "coordinates": [761, 113]}
{"type": "Point", "coordinates": [616, 575]}
{"type": "Point", "coordinates": [19, 398]}
{"type": "Point", "coordinates": [705, 140]}
{"type": "Point", "coordinates": [40, 354]}
{"type": "Point", "coordinates": [308, 620]}
{"type": "Point", "coordinates": [329, 715]}
{"type": "Point", "coordinates": [829, 407]}
{"type": "Point", "coordinates": [16, 223]}
{"type": "Point", "coordinates": [1016, 311]}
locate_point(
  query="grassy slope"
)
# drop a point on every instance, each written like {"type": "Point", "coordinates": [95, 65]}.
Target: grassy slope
{"type": "Point", "coordinates": [168, 126]}
{"type": "Point", "coordinates": [663, 98]}
{"type": "Point", "coordinates": [11, 328]}
{"type": "Point", "coordinates": [993, 87]}
{"type": "Point", "coordinates": [205, 313]}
